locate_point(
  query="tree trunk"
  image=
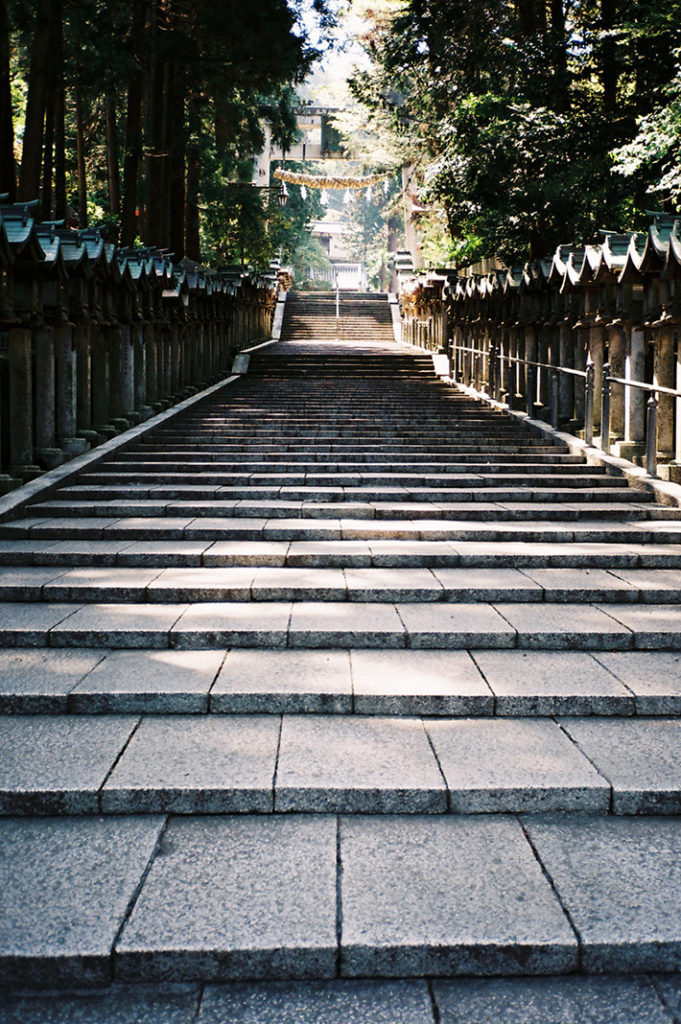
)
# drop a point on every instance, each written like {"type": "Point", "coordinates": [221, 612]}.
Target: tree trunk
{"type": "Point", "coordinates": [155, 148]}
{"type": "Point", "coordinates": [8, 173]}
{"type": "Point", "coordinates": [113, 173]}
{"type": "Point", "coordinates": [48, 164]}
{"type": "Point", "coordinates": [608, 59]}
{"type": "Point", "coordinates": [133, 127]}
{"type": "Point", "coordinates": [559, 56]}
{"type": "Point", "coordinates": [193, 243]}
{"type": "Point", "coordinates": [80, 160]}
{"type": "Point", "coordinates": [58, 100]}
{"type": "Point", "coordinates": [176, 185]}
{"type": "Point", "coordinates": [36, 103]}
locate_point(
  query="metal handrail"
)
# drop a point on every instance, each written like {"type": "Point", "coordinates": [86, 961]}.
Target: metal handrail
{"type": "Point", "coordinates": [651, 412]}
{"type": "Point", "coordinates": [588, 375]}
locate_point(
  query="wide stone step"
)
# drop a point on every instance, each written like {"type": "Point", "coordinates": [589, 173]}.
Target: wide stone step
{"type": "Point", "coordinates": [298, 528]}
{"type": "Point", "coordinates": [341, 764]}
{"type": "Point", "coordinates": [234, 897]}
{"type": "Point", "coordinates": [381, 553]}
{"type": "Point", "coordinates": [312, 583]}
{"type": "Point", "coordinates": [411, 683]}
{"type": "Point", "coordinates": [342, 624]}
{"type": "Point", "coordinates": [620, 999]}
{"type": "Point", "coordinates": [329, 503]}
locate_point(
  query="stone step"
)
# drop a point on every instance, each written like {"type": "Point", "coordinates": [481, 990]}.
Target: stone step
{"type": "Point", "coordinates": [298, 528]}
{"type": "Point", "coordinates": [233, 897]}
{"type": "Point", "coordinates": [388, 683]}
{"type": "Point", "coordinates": [381, 553]}
{"type": "Point", "coordinates": [342, 624]}
{"type": "Point", "coordinates": [340, 764]}
{"type": "Point", "coordinates": [617, 999]}
{"type": "Point", "coordinates": [313, 583]}
{"type": "Point", "coordinates": [329, 503]}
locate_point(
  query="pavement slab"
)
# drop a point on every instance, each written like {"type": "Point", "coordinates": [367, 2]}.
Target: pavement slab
{"type": "Point", "coordinates": [291, 681]}
{"type": "Point", "coordinates": [116, 625]}
{"type": "Point", "coordinates": [246, 552]}
{"type": "Point", "coordinates": [100, 584]}
{"type": "Point", "coordinates": [26, 583]}
{"type": "Point", "coordinates": [116, 1004]}
{"type": "Point", "coordinates": [654, 585]}
{"type": "Point", "coordinates": [582, 585]}
{"type": "Point", "coordinates": [39, 680]}
{"type": "Point", "coordinates": [654, 677]}
{"type": "Point", "coordinates": [553, 683]}
{"type": "Point", "coordinates": [619, 879]}
{"type": "Point", "coordinates": [487, 585]}
{"type": "Point", "coordinates": [159, 552]}
{"type": "Point", "coordinates": [562, 1000]}
{"type": "Point", "coordinates": [66, 887]}
{"type": "Point", "coordinates": [515, 764]}
{"type": "Point", "coordinates": [26, 624]}
{"type": "Point", "coordinates": [357, 765]}
{"type": "Point", "coordinates": [295, 584]}
{"type": "Point", "coordinates": [654, 627]}
{"type": "Point", "coordinates": [447, 895]}
{"type": "Point", "coordinates": [56, 764]}
{"type": "Point", "coordinates": [640, 757]}
{"type": "Point", "coordinates": [567, 626]}
{"type": "Point", "coordinates": [204, 584]}
{"type": "Point", "coordinates": [232, 898]}
{"type": "Point", "coordinates": [344, 624]}
{"type": "Point", "coordinates": [340, 1001]}
{"type": "Point", "coordinates": [455, 626]}
{"type": "Point", "coordinates": [232, 624]}
{"type": "Point", "coordinates": [161, 682]}
{"type": "Point", "coordinates": [418, 683]}
{"type": "Point", "coordinates": [399, 553]}
{"type": "Point", "coordinates": [338, 554]}
{"type": "Point", "coordinates": [211, 764]}
{"type": "Point", "coordinates": [392, 585]}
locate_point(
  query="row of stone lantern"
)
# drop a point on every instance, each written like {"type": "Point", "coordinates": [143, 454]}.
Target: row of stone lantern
{"type": "Point", "coordinates": [533, 336]}
{"type": "Point", "coordinates": [94, 338]}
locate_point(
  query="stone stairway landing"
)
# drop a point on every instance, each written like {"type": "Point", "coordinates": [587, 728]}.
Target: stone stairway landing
{"type": "Point", "coordinates": [331, 690]}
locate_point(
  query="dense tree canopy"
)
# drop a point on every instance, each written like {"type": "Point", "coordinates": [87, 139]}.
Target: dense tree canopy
{"type": "Point", "coordinates": [531, 122]}
{"type": "Point", "coordinates": [147, 113]}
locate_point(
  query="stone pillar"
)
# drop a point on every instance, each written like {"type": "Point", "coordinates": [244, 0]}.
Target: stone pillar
{"type": "Point", "coordinates": [616, 358]}
{"type": "Point", "coordinates": [83, 340]}
{"type": "Point", "coordinates": [596, 351]}
{"type": "Point", "coordinates": [21, 435]}
{"type": "Point", "coordinates": [101, 382]}
{"type": "Point", "coordinates": [665, 375]}
{"type": "Point", "coordinates": [635, 400]}
{"type": "Point", "coordinates": [66, 392]}
{"type": "Point", "coordinates": [139, 354]}
{"type": "Point", "coordinates": [566, 383]}
{"type": "Point", "coordinates": [579, 360]}
{"type": "Point", "coordinates": [47, 453]}
{"type": "Point", "coordinates": [151, 362]}
{"type": "Point", "coordinates": [127, 371]}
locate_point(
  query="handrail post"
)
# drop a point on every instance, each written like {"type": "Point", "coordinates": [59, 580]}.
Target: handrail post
{"type": "Point", "coordinates": [492, 370]}
{"type": "Point", "coordinates": [531, 378]}
{"type": "Point", "coordinates": [651, 440]}
{"type": "Point", "coordinates": [605, 409]}
{"type": "Point", "coordinates": [589, 402]}
{"type": "Point", "coordinates": [555, 399]}
{"type": "Point", "coordinates": [337, 283]}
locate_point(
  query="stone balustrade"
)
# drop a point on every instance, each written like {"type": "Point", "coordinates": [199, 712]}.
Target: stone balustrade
{"type": "Point", "coordinates": [525, 335]}
{"type": "Point", "coordinates": [94, 338]}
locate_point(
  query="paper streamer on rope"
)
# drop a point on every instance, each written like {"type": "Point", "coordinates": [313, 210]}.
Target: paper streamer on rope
{"type": "Point", "coordinates": [313, 181]}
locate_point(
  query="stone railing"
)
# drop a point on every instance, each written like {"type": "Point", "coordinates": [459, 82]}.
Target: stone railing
{"type": "Point", "coordinates": [533, 337]}
{"type": "Point", "coordinates": [94, 339]}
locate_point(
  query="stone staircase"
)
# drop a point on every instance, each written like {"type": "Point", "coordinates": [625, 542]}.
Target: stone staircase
{"type": "Point", "coordinates": [335, 688]}
{"type": "Point", "coordinates": [312, 315]}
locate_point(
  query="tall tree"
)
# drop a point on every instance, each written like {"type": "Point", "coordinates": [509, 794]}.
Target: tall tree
{"type": "Point", "coordinates": [8, 174]}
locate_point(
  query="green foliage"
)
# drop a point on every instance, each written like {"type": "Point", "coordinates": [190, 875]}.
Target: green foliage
{"type": "Point", "coordinates": [509, 111]}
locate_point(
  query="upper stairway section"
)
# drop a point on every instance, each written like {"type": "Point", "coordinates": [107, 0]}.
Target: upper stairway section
{"type": "Point", "coordinates": [363, 316]}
